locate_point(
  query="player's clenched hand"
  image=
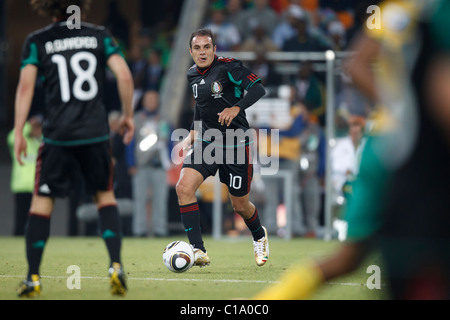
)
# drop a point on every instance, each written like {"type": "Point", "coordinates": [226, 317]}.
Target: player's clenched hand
{"type": "Point", "coordinates": [20, 146]}
{"type": "Point", "coordinates": [126, 129]}
{"type": "Point", "coordinates": [228, 114]}
{"type": "Point", "coordinates": [186, 143]}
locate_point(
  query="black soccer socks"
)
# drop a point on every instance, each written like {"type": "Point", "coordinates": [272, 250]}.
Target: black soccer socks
{"type": "Point", "coordinates": [37, 231]}
{"type": "Point", "coordinates": [254, 225]}
{"type": "Point", "coordinates": [110, 231]}
{"type": "Point", "coordinates": [190, 216]}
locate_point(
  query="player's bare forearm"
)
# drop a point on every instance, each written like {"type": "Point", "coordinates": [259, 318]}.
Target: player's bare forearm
{"type": "Point", "coordinates": [125, 83]}
{"type": "Point", "coordinates": [359, 66]}
{"type": "Point", "coordinates": [24, 96]}
{"type": "Point", "coordinates": [125, 87]}
{"type": "Point", "coordinates": [437, 90]}
{"type": "Point", "coordinates": [189, 140]}
{"type": "Point", "coordinates": [347, 259]}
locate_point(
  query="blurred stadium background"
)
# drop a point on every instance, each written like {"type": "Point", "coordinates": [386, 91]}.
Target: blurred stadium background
{"type": "Point", "coordinates": [150, 31]}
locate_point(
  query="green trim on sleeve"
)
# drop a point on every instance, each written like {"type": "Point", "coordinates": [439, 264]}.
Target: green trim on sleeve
{"type": "Point", "coordinates": [440, 24]}
{"type": "Point", "coordinates": [110, 48]}
{"type": "Point", "coordinates": [252, 83]}
{"type": "Point", "coordinates": [32, 58]}
{"type": "Point", "coordinates": [237, 86]}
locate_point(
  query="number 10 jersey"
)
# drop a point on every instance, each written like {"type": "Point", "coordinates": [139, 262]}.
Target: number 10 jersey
{"type": "Point", "coordinates": [72, 64]}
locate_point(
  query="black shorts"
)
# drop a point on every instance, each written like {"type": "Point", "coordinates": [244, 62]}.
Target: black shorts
{"type": "Point", "coordinates": [234, 165]}
{"type": "Point", "coordinates": [57, 168]}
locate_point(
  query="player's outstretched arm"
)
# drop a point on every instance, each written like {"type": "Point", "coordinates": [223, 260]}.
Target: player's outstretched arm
{"type": "Point", "coordinates": [301, 282]}
{"type": "Point", "coordinates": [125, 85]}
{"type": "Point", "coordinates": [438, 92]}
{"type": "Point", "coordinates": [24, 97]}
{"type": "Point", "coordinates": [359, 66]}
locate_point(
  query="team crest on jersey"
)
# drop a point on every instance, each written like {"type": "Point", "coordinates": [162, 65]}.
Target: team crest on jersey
{"type": "Point", "coordinates": [216, 89]}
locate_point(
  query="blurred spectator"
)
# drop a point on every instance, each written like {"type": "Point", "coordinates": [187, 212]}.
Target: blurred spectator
{"type": "Point", "coordinates": [344, 161]}
{"type": "Point", "coordinates": [306, 88]}
{"type": "Point", "coordinates": [22, 177]}
{"type": "Point", "coordinates": [235, 14]}
{"type": "Point", "coordinates": [138, 66]}
{"type": "Point", "coordinates": [344, 9]}
{"type": "Point", "coordinates": [337, 35]}
{"type": "Point", "coordinates": [350, 100]}
{"type": "Point", "coordinates": [286, 28]}
{"type": "Point", "coordinates": [260, 14]}
{"type": "Point", "coordinates": [146, 41]}
{"type": "Point", "coordinates": [227, 34]}
{"type": "Point", "coordinates": [312, 170]}
{"type": "Point", "coordinates": [154, 72]}
{"type": "Point", "coordinates": [148, 160]}
{"type": "Point", "coordinates": [309, 5]}
{"type": "Point", "coordinates": [259, 41]}
{"type": "Point", "coordinates": [305, 39]}
{"type": "Point", "coordinates": [338, 5]}
{"type": "Point", "coordinates": [118, 25]}
{"type": "Point", "coordinates": [264, 68]}
{"type": "Point", "coordinates": [289, 156]}
{"type": "Point", "coordinates": [165, 32]}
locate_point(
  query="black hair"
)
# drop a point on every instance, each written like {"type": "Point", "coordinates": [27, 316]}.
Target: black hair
{"type": "Point", "coordinates": [58, 8]}
{"type": "Point", "coordinates": [202, 32]}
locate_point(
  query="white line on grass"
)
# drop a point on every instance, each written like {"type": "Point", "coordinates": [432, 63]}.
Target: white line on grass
{"type": "Point", "coordinates": [187, 280]}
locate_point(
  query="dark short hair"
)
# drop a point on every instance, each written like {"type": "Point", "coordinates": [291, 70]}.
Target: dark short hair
{"type": "Point", "coordinates": [58, 8]}
{"type": "Point", "coordinates": [202, 32]}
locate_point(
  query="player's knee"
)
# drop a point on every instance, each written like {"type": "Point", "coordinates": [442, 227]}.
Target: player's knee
{"type": "Point", "coordinates": [184, 191]}
{"type": "Point", "coordinates": [239, 208]}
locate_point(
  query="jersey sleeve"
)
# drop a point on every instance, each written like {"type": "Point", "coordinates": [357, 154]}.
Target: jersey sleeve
{"type": "Point", "coordinates": [393, 21]}
{"type": "Point", "coordinates": [439, 26]}
{"type": "Point", "coordinates": [30, 52]}
{"type": "Point", "coordinates": [110, 44]}
{"type": "Point", "coordinates": [241, 75]}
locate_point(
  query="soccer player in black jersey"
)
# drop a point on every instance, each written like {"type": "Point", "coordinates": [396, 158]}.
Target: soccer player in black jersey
{"type": "Point", "coordinates": [72, 63]}
{"type": "Point", "coordinates": [220, 124]}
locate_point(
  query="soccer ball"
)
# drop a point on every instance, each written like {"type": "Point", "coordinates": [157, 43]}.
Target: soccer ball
{"type": "Point", "coordinates": [178, 256]}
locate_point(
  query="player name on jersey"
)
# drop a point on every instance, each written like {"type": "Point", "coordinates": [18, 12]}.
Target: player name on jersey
{"type": "Point", "coordinates": [73, 43]}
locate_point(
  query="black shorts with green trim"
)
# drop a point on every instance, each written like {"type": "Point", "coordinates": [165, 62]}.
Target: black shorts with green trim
{"type": "Point", "coordinates": [234, 164]}
{"type": "Point", "coordinates": [58, 168]}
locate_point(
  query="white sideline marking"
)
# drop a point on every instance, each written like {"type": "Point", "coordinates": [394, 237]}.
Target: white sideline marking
{"type": "Point", "coordinates": [186, 280]}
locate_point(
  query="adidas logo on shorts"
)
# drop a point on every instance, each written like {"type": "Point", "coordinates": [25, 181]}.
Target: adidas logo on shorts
{"type": "Point", "coordinates": [44, 189]}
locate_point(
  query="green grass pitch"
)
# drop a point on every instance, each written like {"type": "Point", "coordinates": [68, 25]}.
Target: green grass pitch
{"type": "Point", "coordinates": [232, 274]}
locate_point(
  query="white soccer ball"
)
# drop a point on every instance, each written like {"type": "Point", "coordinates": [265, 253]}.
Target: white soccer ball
{"type": "Point", "coordinates": [178, 256]}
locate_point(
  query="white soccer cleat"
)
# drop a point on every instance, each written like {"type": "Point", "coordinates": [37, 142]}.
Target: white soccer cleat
{"type": "Point", "coordinates": [261, 249]}
{"type": "Point", "coordinates": [201, 258]}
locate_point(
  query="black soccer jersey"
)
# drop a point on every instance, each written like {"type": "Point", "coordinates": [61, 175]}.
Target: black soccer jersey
{"type": "Point", "coordinates": [72, 63]}
{"type": "Point", "coordinates": [218, 87]}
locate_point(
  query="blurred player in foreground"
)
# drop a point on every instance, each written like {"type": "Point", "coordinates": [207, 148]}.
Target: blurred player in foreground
{"type": "Point", "coordinates": [401, 203]}
{"type": "Point", "coordinates": [218, 85]}
{"type": "Point", "coordinates": [72, 62]}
